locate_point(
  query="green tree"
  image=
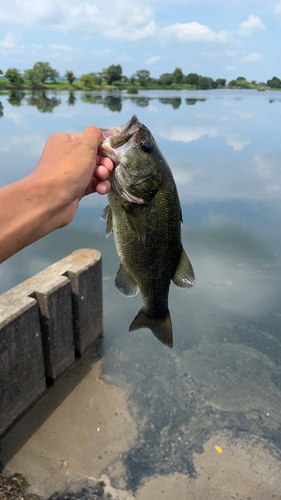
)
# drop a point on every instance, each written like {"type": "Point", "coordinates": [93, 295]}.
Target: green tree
{"type": "Point", "coordinates": [174, 101]}
{"type": "Point", "coordinates": [91, 99]}
{"type": "Point", "coordinates": [71, 99]}
{"type": "Point", "coordinates": [274, 83]}
{"type": "Point", "coordinates": [178, 75]}
{"type": "Point", "coordinates": [192, 79]}
{"type": "Point", "coordinates": [88, 80]}
{"type": "Point", "coordinates": [141, 102]}
{"type": "Point", "coordinates": [114, 103]}
{"type": "Point", "coordinates": [143, 77]}
{"type": "Point", "coordinates": [97, 78]}
{"type": "Point", "coordinates": [213, 83]}
{"type": "Point", "coordinates": [191, 102]}
{"type": "Point", "coordinates": [243, 84]}
{"type": "Point", "coordinates": [43, 103]}
{"type": "Point", "coordinates": [15, 97]}
{"type": "Point", "coordinates": [220, 82]}
{"type": "Point", "coordinates": [46, 71]}
{"type": "Point", "coordinates": [241, 79]}
{"type": "Point", "coordinates": [70, 76]}
{"type": "Point", "coordinates": [1, 72]}
{"type": "Point", "coordinates": [113, 74]}
{"type": "Point", "coordinates": [34, 75]}
{"type": "Point", "coordinates": [14, 76]}
{"type": "Point", "coordinates": [204, 83]}
{"type": "Point", "coordinates": [232, 83]}
{"type": "Point", "coordinates": [166, 79]}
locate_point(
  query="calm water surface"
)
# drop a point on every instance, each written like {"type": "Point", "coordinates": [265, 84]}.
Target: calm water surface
{"type": "Point", "coordinates": [224, 373]}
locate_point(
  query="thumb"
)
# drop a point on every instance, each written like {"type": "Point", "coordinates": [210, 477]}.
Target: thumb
{"type": "Point", "coordinates": [91, 138]}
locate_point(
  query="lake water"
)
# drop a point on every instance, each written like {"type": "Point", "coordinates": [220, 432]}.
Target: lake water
{"type": "Point", "coordinates": [221, 383]}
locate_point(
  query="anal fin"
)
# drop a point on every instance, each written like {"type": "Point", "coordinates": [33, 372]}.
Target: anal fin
{"type": "Point", "coordinates": [125, 283]}
{"type": "Point", "coordinates": [184, 276]}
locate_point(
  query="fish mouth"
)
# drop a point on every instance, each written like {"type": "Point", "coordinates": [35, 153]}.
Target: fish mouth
{"type": "Point", "coordinates": [119, 140]}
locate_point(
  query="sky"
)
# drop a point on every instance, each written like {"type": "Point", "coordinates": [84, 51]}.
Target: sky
{"type": "Point", "coordinates": [216, 38]}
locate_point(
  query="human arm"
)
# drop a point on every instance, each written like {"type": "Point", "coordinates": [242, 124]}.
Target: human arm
{"type": "Point", "coordinates": [48, 198]}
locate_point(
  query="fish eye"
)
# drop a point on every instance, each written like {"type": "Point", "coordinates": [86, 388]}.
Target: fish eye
{"type": "Point", "coordinates": [146, 146]}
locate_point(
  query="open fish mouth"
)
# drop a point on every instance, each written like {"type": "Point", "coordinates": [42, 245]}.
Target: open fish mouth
{"type": "Point", "coordinates": [119, 140]}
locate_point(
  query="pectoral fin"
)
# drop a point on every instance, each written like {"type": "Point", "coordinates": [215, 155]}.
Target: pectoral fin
{"type": "Point", "coordinates": [184, 276]}
{"type": "Point", "coordinates": [125, 283]}
{"type": "Point", "coordinates": [136, 223]}
{"type": "Point", "coordinates": [106, 215]}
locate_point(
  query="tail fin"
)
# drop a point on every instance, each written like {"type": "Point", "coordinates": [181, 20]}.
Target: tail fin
{"type": "Point", "coordinates": [160, 327]}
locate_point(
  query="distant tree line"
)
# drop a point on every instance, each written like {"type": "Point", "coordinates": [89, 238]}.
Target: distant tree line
{"type": "Point", "coordinates": [113, 75]}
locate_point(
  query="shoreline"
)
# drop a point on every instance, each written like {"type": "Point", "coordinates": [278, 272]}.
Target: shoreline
{"type": "Point", "coordinates": [66, 87]}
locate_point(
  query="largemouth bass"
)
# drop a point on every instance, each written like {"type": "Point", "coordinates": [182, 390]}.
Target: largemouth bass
{"type": "Point", "coordinates": [145, 217]}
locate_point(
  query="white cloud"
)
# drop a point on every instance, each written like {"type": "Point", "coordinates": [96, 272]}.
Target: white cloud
{"type": "Point", "coordinates": [268, 168]}
{"type": "Point", "coordinates": [244, 115]}
{"type": "Point", "coordinates": [230, 68]}
{"type": "Point", "coordinates": [103, 53]}
{"type": "Point", "coordinates": [182, 175]}
{"type": "Point", "coordinates": [254, 57]}
{"type": "Point", "coordinates": [62, 48]}
{"type": "Point", "coordinates": [194, 32]}
{"type": "Point", "coordinates": [8, 42]}
{"type": "Point", "coordinates": [210, 55]}
{"type": "Point", "coordinates": [16, 117]}
{"type": "Point", "coordinates": [28, 145]}
{"type": "Point", "coordinates": [124, 58]}
{"type": "Point", "coordinates": [36, 47]}
{"type": "Point", "coordinates": [152, 60]}
{"type": "Point", "coordinates": [248, 28]}
{"type": "Point", "coordinates": [231, 53]}
{"type": "Point", "coordinates": [188, 134]}
{"type": "Point", "coordinates": [30, 12]}
{"type": "Point", "coordinates": [277, 10]}
{"type": "Point", "coordinates": [114, 20]}
{"type": "Point", "coordinates": [153, 109]}
{"type": "Point", "coordinates": [236, 142]}
{"type": "Point", "coordinates": [147, 31]}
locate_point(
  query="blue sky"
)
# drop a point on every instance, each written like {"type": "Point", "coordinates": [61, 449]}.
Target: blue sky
{"type": "Point", "coordinates": [217, 38]}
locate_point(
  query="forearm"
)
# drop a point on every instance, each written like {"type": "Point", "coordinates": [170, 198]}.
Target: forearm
{"type": "Point", "coordinates": [28, 211]}
{"type": "Point", "coordinates": [48, 198]}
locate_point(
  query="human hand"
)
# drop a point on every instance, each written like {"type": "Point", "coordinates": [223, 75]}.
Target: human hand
{"type": "Point", "coordinates": [47, 199]}
{"type": "Point", "coordinates": [70, 169]}
{"type": "Point", "coordinates": [73, 159]}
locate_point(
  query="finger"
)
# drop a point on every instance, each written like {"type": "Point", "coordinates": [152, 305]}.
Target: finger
{"type": "Point", "coordinates": [102, 173]}
{"type": "Point", "coordinates": [104, 160]}
{"type": "Point", "coordinates": [91, 137]}
{"type": "Point", "coordinates": [103, 187]}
